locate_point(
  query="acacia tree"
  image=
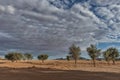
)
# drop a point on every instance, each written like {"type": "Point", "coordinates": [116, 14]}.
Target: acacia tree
{"type": "Point", "coordinates": [113, 53]}
{"type": "Point", "coordinates": [14, 56]}
{"type": "Point", "coordinates": [93, 52]}
{"type": "Point", "coordinates": [43, 57]}
{"type": "Point", "coordinates": [106, 55]}
{"type": "Point", "coordinates": [28, 56]}
{"type": "Point", "coordinates": [68, 58]}
{"type": "Point", "coordinates": [74, 52]}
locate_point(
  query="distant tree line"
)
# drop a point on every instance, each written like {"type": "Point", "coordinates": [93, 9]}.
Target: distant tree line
{"type": "Point", "coordinates": [16, 56]}
{"type": "Point", "coordinates": [111, 54]}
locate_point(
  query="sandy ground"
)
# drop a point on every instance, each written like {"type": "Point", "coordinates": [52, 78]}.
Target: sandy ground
{"type": "Point", "coordinates": [49, 74]}
{"type": "Point", "coordinates": [101, 66]}
{"type": "Point", "coordinates": [58, 70]}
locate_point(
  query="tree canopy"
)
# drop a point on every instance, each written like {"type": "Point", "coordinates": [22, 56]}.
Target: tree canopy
{"type": "Point", "coordinates": [74, 52]}
{"type": "Point", "coordinates": [111, 54]}
{"type": "Point", "coordinates": [28, 56]}
{"type": "Point", "coordinates": [43, 57]}
{"type": "Point", "coordinates": [93, 52]}
{"type": "Point", "coordinates": [14, 56]}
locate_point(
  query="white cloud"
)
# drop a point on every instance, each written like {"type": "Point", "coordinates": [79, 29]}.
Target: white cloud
{"type": "Point", "coordinates": [105, 13]}
{"type": "Point", "coordinates": [2, 8]}
{"type": "Point", "coordinates": [38, 25]}
{"type": "Point", "coordinates": [5, 35]}
{"type": "Point", "coordinates": [10, 9]}
{"type": "Point", "coordinates": [7, 9]}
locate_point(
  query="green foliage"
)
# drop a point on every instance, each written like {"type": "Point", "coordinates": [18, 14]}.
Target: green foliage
{"type": "Point", "coordinates": [68, 58]}
{"type": "Point", "coordinates": [93, 52]}
{"type": "Point", "coordinates": [111, 54]}
{"type": "Point", "coordinates": [14, 56]}
{"type": "Point", "coordinates": [106, 55]}
{"type": "Point", "coordinates": [43, 57]}
{"type": "Point", "coordinates": [74, 52]}
{"type": "Point", "coordinates": [28, 56]}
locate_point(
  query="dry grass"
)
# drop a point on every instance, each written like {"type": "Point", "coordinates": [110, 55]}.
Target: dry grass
{"type": "Point", "coordinates": [58, 70]}
{"type": "Point", "coordinates": [101, 66]}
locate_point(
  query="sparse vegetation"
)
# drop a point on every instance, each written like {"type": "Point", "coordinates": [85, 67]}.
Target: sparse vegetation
{"type": "Point", "coordinates": [68, 58]}
{"type": "Point", "coordinates": [93, 52]}
{"type": "Point", "coordinates": [43, 57]}
{"type": "Point", "coordinates": [111, 54]}
{"type": "Point", "coordinates": [106, 56]}
{"type": "Point", "coordinates": [28, 56]}
{"type": "Point", "coordinates": [74, 52]}
{"type": "Point", "coordinates": [14, 56]}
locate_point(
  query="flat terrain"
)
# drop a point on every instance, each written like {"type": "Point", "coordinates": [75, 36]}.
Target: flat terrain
{"type": "Point", "coordinates": [58, 70]}
{"type": "Point", "coordinates": [48, 74]}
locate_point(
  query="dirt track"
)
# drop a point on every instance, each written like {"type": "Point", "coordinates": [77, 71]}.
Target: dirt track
{"type": "Point", "coordinates": [48, 74]}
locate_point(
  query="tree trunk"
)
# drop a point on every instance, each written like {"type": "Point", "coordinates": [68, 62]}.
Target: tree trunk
{"type": "Point", "coordinates": [108, 62]}
{"type": "Point", "coordinates": [94, 63]}
{"type": "Point", "coordinates": [113, 62]}
{"type": "Point", "coordinates": [12, 60]}
{"type": "Point", "coordinates": [42, 61]}
{"type": "Point", "coordinates": [75, 62]}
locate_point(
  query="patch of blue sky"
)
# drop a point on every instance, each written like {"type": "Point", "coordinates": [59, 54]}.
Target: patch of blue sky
{"type": "Point", "coordinates": [105, 45]}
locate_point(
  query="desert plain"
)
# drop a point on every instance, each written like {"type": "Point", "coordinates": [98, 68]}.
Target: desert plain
{"type": "Point", "coordinates": [58, 70]}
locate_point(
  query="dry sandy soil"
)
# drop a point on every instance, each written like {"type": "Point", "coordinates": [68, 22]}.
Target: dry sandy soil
{"type": "Point", "coordinates": [58, 70]}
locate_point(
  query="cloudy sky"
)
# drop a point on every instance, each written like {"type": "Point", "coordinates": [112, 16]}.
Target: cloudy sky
{"type": "Point", "coordinates": [51, 26]}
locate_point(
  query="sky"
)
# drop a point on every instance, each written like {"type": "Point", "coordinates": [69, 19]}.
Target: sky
{"type": "Point", "coordinates": [52, 26]}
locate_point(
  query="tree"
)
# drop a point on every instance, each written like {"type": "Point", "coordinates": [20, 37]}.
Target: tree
{"type": "Point", "coordinates": [106, 55]}
{"type": "Point", "coordinates": [43, 57]}
{"type": "Point", "coordinates": [74, 52]}
{"type": "Point", "coordinates": [19, 56]}
{"type": "Point", "coordinates": [93, 52]}
{"type": "Point", "coordinates": [28, 56]}
{"type": "Point", "coordinates": [68, 58]}
{"type": "Point", "coordinates": [112, 54]}
{"type": "Point", "coordinates": [14, 56]}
